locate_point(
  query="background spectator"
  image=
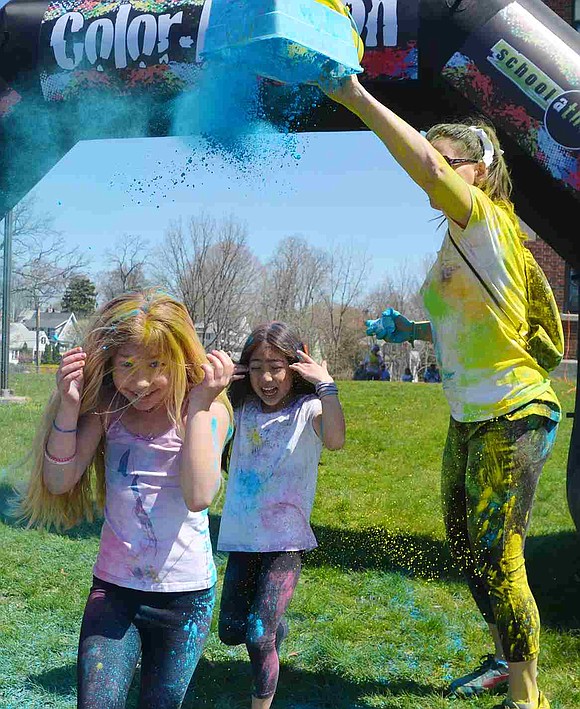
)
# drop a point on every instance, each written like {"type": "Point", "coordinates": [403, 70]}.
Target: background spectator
{"type": "Point", "coordinates": [360, 373]}
{"type": "Point", "coordinates": [432, 375]}
{"type": "Point", "coordinates": [373, 363]}
{"type": "Point", "coordinates": [385, 374]}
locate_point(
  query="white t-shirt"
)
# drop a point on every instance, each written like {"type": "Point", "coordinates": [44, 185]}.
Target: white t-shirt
{"type": "Point", "coordinates": [272, 478]}
{"type": "Point", "coordinates": [485, 367]}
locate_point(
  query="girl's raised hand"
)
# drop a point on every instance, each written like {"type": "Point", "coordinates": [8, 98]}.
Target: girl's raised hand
{"type": "Point", "coordinates": [240, 372]}
{"type": "Point", "coordinates": [70, 376]}
{"type": "Point", "coordinates": [310, 370]}
{"type": "Point", "coordinates": [218, 372]}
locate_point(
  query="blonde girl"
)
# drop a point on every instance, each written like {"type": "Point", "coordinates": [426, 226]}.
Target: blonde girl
{"type": "Point", "coordinates": [136, 427]}
{"type": "Point", "coordinates": [504, 413]}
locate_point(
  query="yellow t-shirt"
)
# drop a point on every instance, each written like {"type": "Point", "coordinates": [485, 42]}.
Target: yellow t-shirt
{"type": "Point", "coordinates": [486, 370]}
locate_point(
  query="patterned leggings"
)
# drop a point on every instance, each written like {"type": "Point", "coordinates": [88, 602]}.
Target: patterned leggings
{"type": "Point", "coordinates": [168, 630]}
{"type": "Point", "coordinates": [490, 473]}
{"type": "Point", "coordinates": [258, 588]}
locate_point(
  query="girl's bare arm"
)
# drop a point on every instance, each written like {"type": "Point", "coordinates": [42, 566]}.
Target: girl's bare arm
{"type": "Point", "coordinates": [200, 470]}
{"type": "Point", "coordinates": [77, 440]}
{"type": "Point", "coordinates": [329, 425]}
{"type": "Point", "coordinates": [206, 431]}
{"type": "Point", "coordinates": [81, 445]}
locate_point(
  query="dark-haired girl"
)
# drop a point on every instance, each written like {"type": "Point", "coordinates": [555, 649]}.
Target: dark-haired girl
{"type": "Point", "coordinates": [286, 408]}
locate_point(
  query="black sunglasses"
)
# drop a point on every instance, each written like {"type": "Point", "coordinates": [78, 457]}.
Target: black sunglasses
{"type": "Point", "coordinates": [454, 162]}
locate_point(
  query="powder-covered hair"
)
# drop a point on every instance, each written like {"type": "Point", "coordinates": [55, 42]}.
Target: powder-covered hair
{"type": "Point", "coordinates": [280, 336]}
{"type": "Point", "coordinates": [151, 319]}
{"type": "Point", "coordinates": [497, 184]}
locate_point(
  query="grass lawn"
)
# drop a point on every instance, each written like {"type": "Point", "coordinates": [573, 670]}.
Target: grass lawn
{"type": "Point", "coordinates": [379, 619]}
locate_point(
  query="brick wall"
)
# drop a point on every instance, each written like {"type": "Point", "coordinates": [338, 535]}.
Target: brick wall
{"type": "Point", "coordinates": [564, 8]}
{"type": "Point", "coordinates": [570, 338]}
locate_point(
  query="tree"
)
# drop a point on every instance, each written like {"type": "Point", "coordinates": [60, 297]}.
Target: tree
{"type": "Point", "coordinates": [209, 266]}
{"type": "Point", "coordinates": [341, 321]}
{"type": "Point", "coordinates": [127, 265]}
{"type": "Point", "coordinates": [43, 263]}
{"type": "Point", "coordinates": [51, 355]}
{"type": "Point", "coordinates": [27, 224]}
{"type": "Point", "coordinates": [80, 296]}
{"type": "Point", "coordinates": [293, 285]}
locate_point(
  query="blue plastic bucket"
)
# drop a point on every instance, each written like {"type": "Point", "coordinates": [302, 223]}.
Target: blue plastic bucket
{"type": "Point", "coordinates": [292, 41]}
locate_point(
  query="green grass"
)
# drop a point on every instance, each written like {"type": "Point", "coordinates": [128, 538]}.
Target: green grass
{"type": "Point", "coordinates": [379, 619]}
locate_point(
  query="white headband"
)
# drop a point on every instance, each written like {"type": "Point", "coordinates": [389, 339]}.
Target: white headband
{"type": "Point", "coordinates": [486, 144]}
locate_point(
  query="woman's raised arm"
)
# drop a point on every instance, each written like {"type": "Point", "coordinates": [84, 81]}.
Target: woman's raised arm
{"type": "Point", "coordinates": [422, 162]}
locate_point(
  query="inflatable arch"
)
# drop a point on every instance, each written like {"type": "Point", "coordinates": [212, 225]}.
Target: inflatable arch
{"type": "Point", "coordinates": [87, 69]}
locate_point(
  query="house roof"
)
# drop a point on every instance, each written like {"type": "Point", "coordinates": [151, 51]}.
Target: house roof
{"type": "Point", "coordinates": [48, 320]}
{"type": "Point", "coordinates": [20, 335]}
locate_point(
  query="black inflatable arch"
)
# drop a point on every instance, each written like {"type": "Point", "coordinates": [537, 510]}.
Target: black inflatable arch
{"type": "Point", "coordinates": [87, 69]}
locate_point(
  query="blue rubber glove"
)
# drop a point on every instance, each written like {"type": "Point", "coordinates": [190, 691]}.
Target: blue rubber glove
{"type": "Point", "coordinates": [391, 327]}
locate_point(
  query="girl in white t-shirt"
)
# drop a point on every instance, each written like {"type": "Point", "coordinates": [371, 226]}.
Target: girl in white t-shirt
{"type": "Point", "coordinates": [286, 408]}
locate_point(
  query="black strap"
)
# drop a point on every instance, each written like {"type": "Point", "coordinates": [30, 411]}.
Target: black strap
{"type": "Point", "coordinates": [483, 283]}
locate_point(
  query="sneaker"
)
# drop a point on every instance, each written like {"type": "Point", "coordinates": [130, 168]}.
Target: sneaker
{"type": "Point", "coordinates": [543, 703]}
{"type": "Point", "coordinates": [491, 675]}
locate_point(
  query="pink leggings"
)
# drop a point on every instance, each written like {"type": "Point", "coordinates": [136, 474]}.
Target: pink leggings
{"type": "Point", "coordinates": [258, 588]}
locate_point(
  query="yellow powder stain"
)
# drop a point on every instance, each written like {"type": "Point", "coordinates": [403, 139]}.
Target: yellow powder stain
{"type": "Point", "coordinates": [486, 496]}
{"type": "Point", "coordinates": [99, 665]}
{"type": "Point", "coordinates": [255, 438]}
{"type": "Point", "coordinates": [513, 547]}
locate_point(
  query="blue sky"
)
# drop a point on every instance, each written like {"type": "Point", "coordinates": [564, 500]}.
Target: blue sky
{"type": "Point", "coordinates": [332, 188]}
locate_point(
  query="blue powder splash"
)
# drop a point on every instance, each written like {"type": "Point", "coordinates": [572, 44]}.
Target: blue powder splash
{"type": "Point", "coordinates": [235, 122]}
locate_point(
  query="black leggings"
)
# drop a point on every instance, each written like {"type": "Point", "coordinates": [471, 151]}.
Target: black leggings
{"type": "Point", "coordinates": [168, 630]}
{"type": "Point", "coordinates": [258, 588]}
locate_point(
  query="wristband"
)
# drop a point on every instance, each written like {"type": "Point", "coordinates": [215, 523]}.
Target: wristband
{"type": "Point", "coordinates": [63, 430]}
{"type": "Point", "coordinates": [326, 389]}
{"type": "Point", "coordinates": [58, 461]}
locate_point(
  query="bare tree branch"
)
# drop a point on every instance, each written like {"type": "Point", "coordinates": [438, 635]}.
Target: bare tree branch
{"type": "Point", "coordinates": [127, 263]}
{"type": "Point", "coordinates": [210, 267]}
{"type": "Point", "coordinates": [344, 286]}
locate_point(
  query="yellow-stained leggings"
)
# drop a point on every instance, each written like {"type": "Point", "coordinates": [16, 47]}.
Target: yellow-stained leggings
{"type": "Point", "coordinates": [490, 473]}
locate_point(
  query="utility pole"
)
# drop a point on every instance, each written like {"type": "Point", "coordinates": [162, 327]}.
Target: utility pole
{"type": "Point", "coordinates": [6, 282]}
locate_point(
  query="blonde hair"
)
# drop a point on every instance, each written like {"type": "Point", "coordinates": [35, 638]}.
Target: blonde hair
{"type": "Point", "coordinates": [152, 319]}
{"type": "Point", "coordinates": [498, 183]}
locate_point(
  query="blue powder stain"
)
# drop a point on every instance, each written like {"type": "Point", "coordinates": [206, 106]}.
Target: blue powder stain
{"type": "Point", "coordinates": [256, 626]}
{"type": "Point", "coordinates": [447, 673]}
{"type": "Point", "coordinates": [249, 483]}
{"type": "Point", "coordinates": [190, 627]}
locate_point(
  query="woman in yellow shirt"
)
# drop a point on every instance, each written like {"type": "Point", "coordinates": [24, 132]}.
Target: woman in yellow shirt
{"type": "Point", "coordinates": [504, 414]}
